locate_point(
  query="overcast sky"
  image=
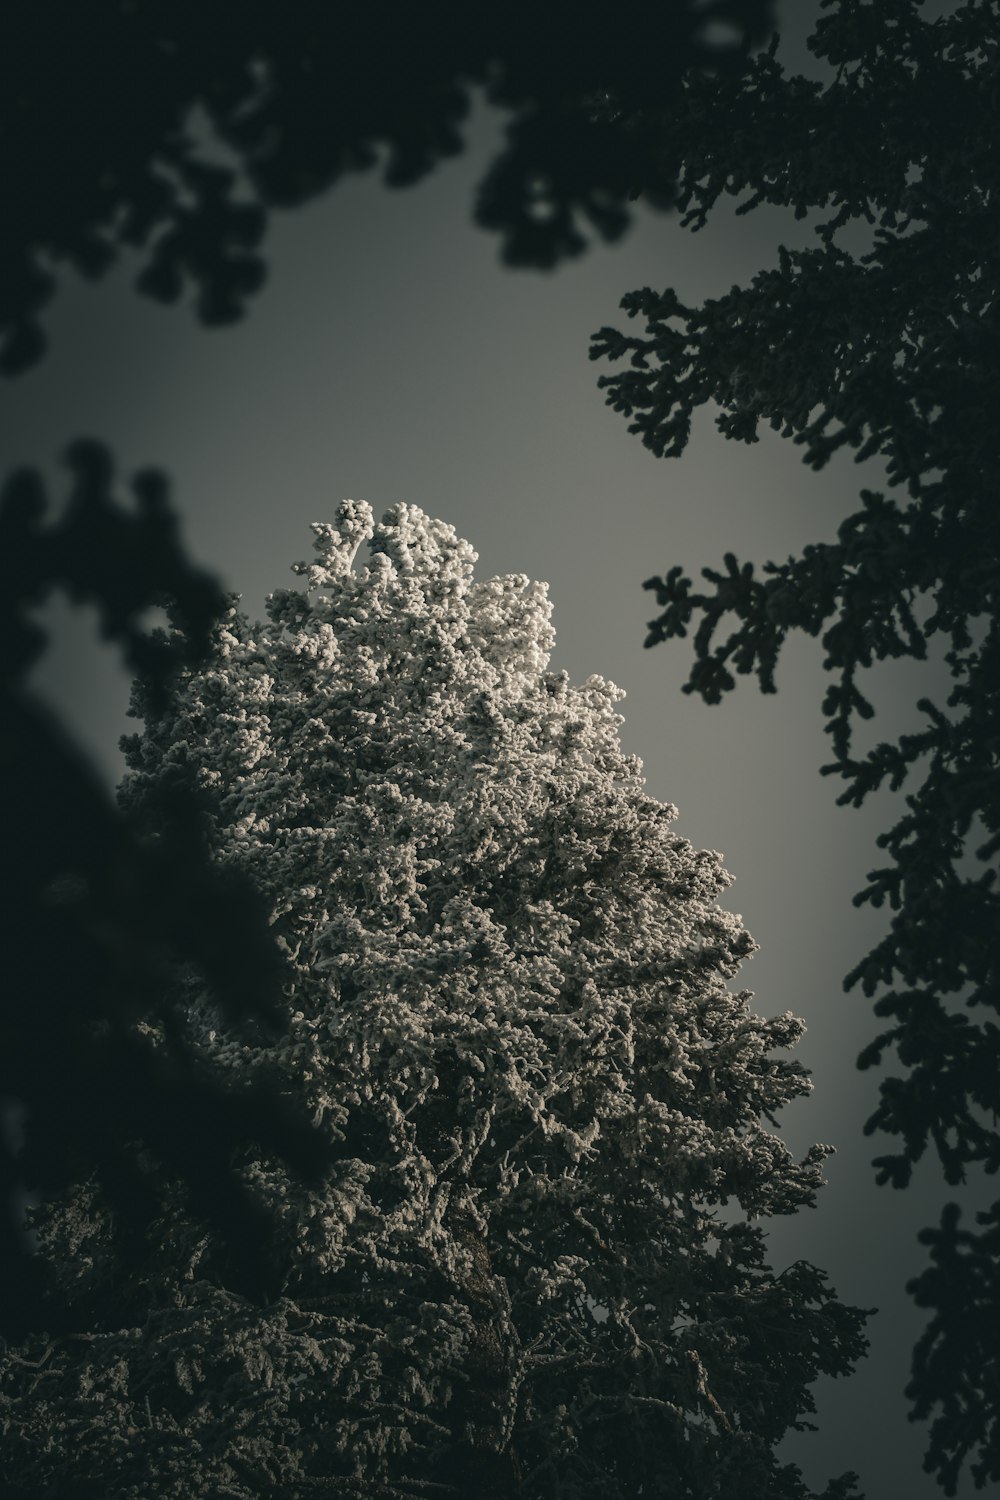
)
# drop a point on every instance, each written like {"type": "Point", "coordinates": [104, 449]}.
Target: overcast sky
{"type": "Point", "coordinates": [391, 358]}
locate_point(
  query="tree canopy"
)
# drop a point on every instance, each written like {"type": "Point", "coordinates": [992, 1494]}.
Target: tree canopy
{"type": "Point", "coordinates": [891, 351]}
{"type": "Point", "coordinates": [535, 1265]}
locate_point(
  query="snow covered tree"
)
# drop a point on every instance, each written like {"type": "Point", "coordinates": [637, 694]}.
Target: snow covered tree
{"type": "Point", "coordinates": [536, 1267]}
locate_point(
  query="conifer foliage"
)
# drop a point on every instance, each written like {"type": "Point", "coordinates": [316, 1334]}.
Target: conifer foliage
{"type": "Point", "coordinates": [891, 350]}
{"type": "Point", "coordinates": [535, 1267]}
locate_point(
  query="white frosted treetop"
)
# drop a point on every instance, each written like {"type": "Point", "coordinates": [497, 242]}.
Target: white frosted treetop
{"type": "Point", "coordinates": [510, 1011]}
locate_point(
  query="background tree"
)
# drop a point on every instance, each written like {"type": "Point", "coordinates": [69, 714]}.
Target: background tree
{"type": "Point", "coordinates": [171, 132]}
{"type": "Point", "coordinates": [534, 1267]}
{"type": "Point", "coordinates": [891, 351]}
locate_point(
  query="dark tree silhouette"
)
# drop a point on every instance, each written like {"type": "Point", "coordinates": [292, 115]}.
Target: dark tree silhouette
{"type": "Point", "coordinates": [96, 922]}
{"type": "Point", "coordinates": [894, 353]}
{"type": "Point", "coordinates": [99, 150]}
{"type": "Point", "coordinates": [112, 117]}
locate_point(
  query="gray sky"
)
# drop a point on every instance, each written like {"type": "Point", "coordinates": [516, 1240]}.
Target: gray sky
{"type": "Point", "coordinates": [391, 358]}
